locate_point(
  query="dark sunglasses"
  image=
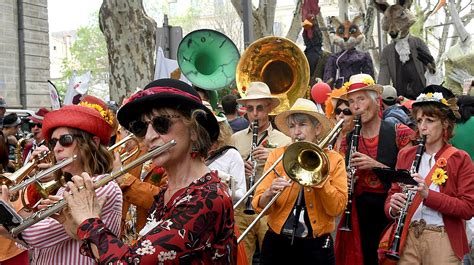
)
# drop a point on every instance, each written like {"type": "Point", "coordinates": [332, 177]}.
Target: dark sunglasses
{"type": "Point", "coordinates": [259, 108]}
{"type": "Point", "coordinates": [65, 140]}
{"type": "Point", "coordinates": [32, 125]}
{"type": "Point", "coordinates": [161, 124]}
{"type": "Point", "coordinates": [346, 112]}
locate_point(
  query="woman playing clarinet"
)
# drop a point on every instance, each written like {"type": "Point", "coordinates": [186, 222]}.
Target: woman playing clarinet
{"type": "Point", "coordinates": [436, 219]}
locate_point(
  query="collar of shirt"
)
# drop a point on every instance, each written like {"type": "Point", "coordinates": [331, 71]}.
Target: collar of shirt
{"type": "Point", "coordinates": [269, 129]}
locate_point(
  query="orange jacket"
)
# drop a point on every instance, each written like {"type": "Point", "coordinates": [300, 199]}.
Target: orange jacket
{"type": "Point", "coordinates": [323, 202]}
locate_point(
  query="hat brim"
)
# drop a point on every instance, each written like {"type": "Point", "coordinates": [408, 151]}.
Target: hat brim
{"type": "Point", "coordinates": [274, 104]}
{"type": "Point", "coordinates": [376, 88]}
{"type": "Point", "coordinates": [280, 121]}
{"type": "Point", "coordinates": [35, 120]}
{"type": "Point", "coordinates": [133, 110]}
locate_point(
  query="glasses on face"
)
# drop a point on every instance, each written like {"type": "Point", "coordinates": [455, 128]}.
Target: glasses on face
{"type": "Point", "coordinates": [259, 108]}
{"type": "Point", "coordinates": [39, 125]}
{"type": "Point", "coordinates": [346, 112]}
{"type": "Point", "coordinates": [64, 140]}
{"type": "Point", "coordinates": [161, 124]}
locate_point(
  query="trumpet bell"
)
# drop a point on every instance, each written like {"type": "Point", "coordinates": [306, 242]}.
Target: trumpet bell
{"type": "Point", "coordinates": [208, 59]}
{"type": "Point", "coordinates": [306, 163]}
{"type": "Point", "coordinates": [280, 64]}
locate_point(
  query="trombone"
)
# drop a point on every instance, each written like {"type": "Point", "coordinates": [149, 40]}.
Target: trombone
{"type": "Point", "coordinates": [120, 145]}
{"type": "Point", "coordinates": [305, 163]}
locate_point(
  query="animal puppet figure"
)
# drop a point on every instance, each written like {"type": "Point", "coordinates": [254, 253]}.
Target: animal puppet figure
{"type": "Point", "coordinates": [349, 61]}
{"type": "Point", "coordinates": [404, 61]}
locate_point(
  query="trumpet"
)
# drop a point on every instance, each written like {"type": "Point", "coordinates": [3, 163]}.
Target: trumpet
{"type": "Point", "coordinates": [119, 147]}
{"type": "Point", "coordinates": [58, 206]}
{"type": "Point", "coordinates": [20, 174]}
{"type": "Point", "coordinates": [305, 163]}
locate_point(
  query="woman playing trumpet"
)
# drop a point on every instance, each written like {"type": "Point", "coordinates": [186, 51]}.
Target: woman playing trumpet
{"type": "Point", "coordinates": [436, 230]}
{"type": "Point", "coordinates": [83, 130]}
{"type": "Point", "coordinates": [191, 220]}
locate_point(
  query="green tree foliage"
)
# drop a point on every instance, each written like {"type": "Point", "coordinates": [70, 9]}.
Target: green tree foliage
{"type": "Point", "coordinates": [88, 52]}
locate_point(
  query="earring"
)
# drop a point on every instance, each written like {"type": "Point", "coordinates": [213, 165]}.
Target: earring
{"type": "Point", "coordinates": [194, 152]}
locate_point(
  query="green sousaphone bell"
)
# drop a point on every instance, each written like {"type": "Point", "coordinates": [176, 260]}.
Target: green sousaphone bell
{"type": "Point", "coordinates": [208, 59]}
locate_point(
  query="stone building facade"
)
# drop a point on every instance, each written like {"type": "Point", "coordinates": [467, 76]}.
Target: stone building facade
{"type": "Point", "coordinates": [24, 53]}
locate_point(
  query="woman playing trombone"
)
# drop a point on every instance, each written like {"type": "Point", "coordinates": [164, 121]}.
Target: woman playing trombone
{"type": "Point", "coordinates": [436, 229]}
{"type": "Point", "coordinates": [323, 202]}
{"type": "Point", "coordinates": [83, 130]}
{"type": "Point", "coordinates": [191, 220]}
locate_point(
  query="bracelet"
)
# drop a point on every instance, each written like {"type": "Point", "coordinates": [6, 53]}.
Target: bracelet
{"type": "Point", "coordinates": [390, 213]}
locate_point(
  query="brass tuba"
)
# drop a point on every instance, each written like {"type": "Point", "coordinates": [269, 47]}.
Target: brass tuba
{"type": "Point", "coordinates": [208, 59]}
{"type": "Point", "coordinates": [280, 64]}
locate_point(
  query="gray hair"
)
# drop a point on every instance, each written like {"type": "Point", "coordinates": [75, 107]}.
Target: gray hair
{"type": "Point", "coordinates": [301, 117]}
{"type": "Point", "coordinates": [373, 95]}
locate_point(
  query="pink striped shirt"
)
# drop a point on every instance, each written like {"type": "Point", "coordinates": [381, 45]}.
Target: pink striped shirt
{"type": "Point", "coordinates": [52, 245]}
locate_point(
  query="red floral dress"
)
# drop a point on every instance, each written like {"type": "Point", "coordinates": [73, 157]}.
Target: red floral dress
{"type": "Point", "coordinates": [196, 226]}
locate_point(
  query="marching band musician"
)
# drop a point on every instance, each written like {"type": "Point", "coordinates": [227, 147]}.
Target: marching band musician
{"type": "Point", "coordinates": [36, 126]}
{"type": "Point", "coordinates": [259, 102]}
{"type": "Point", "coordinates": [83, 130]}
{"type": "Point", "coordinates": [323, 202]}
{"type": "Point", "coordinates": [191, 220]}
{"type": "Point", "coordinates": [379, 143]}
{"type": "Point", "coordinates": [337, 108]}
{"type": "Point", "coordinates": [436, 232]}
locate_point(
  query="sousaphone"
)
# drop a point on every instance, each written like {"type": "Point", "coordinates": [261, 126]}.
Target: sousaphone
{"type": "Point", "coordinates": [208, 59]}
{"type": "Point", "coordinates": [280, 64]}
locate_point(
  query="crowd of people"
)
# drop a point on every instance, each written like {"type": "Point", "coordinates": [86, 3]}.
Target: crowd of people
{"type": "Point", "coordinates": [181, 206]}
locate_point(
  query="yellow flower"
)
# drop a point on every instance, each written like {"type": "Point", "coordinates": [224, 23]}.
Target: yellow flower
{"type": "Point", "coordinates": [439, 177]}
{"type": "Point", "coordinates": [346, 86]}
{"type": "Point", "coordinates": [368, 81]}
{"type": "Point", "coordinates": [444, 101]}
{"type": "Point", "coordinates": [429, 95]}
{"type": "Point", "coordinates": [106, 114]}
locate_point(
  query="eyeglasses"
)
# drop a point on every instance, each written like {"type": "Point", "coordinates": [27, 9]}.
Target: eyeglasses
{"type": "Point", "coordinates": [32, 125]}
{"type": "Point", "coordinates": [161, 124]}
{"type": "Point", "coordinates": [65, 140]}
{"type": "Point", "coordinates": [259, 108]}
{"type": "Point", "coordinates": [346, 112]}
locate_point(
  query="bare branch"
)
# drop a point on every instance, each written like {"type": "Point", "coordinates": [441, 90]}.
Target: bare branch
{"type": "Point", "coordinates": [295, 27]}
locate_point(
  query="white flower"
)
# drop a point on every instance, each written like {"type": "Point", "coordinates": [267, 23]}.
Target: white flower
{"type": "Point", "coordinates": [141, 251]}
{"type": "Point", "coordinates": [186, 198]}
{"type": "Point", "coordinates": [170, 255]}
{"type": "Point", "coordinates": [146, 243]}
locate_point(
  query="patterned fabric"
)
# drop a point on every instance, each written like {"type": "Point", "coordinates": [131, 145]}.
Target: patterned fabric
{"type": "Point", "coordinates": [196, 226]}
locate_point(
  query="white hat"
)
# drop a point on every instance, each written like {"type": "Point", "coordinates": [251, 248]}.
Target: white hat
{"type": "Point", "coordinates": [259, 90]}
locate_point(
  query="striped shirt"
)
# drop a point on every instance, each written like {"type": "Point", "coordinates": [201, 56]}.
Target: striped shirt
{"type": "Point", "coordinates": [52, 245]}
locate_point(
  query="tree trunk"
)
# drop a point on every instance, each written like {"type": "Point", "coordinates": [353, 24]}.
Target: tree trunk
{"type": "Point", "coordinates": [130, 37]}
{"type": "Point", "coordinates": [322, 25]}
{"type": "Point", "coordinates": [263, 17]}
{"type": "Point", "coordinates": [444, 38]}
{"type": "Point", "coordinates": [295, 27]}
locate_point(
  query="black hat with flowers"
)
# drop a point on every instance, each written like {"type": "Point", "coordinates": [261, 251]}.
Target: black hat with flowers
{"type": "Point", "coordinates": [167, 93]}
{"type": "Point", "coordinates": [441, 97]}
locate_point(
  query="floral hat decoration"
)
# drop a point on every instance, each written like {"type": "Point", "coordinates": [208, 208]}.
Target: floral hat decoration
{"type": "Point", "coordinates": [441, 97]}
{"type": "Point", "coordinates": [91, 115]}
{"type": "Point", "coordinates": [361, 82]}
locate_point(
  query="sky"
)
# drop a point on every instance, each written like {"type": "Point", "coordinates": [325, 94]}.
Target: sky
{"type": "Point", "coordinates": [70, 14]}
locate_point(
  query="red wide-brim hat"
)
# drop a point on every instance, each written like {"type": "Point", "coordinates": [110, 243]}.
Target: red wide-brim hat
{"type": "Point", "coordinates": [78, 117]}
{"type": "Point", "coordinates": [167, 93]}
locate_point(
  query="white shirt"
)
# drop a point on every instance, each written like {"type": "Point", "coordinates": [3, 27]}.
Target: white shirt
{"type": "Point", "coordinates": [431, 216]}
{"type": "Point", "coordinates": [231, 163]}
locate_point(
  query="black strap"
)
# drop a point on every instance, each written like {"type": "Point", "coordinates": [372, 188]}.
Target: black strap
{"type": "Point", "coordinates": [218, 153]}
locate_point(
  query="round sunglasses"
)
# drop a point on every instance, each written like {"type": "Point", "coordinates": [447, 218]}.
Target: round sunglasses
{"type": "Point", "coordinates": [161, 124]}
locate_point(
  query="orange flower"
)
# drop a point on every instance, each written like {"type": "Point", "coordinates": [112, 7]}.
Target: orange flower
{"type": "Point", "coordinates": [441, 162]}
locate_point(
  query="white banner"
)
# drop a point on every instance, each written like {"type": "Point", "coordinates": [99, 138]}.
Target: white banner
{"type": "Point", "coordinates": [53, 93]}
{"type": "Point", "coordinates": [78, 86]}
{"type": "Point", "coordinates": [164, 66]}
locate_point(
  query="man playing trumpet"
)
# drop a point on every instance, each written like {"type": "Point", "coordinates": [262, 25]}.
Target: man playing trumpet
{"type": "Point", "coordinates": [320, 204]}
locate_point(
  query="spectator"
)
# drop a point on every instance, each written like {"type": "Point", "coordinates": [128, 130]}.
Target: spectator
{"type": "Point", "coordinates": [229, 105]}
{"type": "Point", "coordinates": [3, 106]}
{"type": "Point", "coordinates": [393, 112]}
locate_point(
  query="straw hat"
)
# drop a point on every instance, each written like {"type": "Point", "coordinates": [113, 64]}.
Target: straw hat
{"type": "Point", "coordinates": [303, 106]}
{"type": "Point", "coordinates": [259, 90]}
{"type": "Point", "coordinates": [361, 82]}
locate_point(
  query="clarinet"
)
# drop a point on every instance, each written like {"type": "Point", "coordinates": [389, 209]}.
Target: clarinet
{"type": "Point", "coordinates": [351, 170]}
{"type": "Point", "coordinates": [248, 205]}
{"type": "Point", "coordinates": [393, 252]}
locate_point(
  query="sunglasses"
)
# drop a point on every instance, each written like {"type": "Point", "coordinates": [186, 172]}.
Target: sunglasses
{"type": "Point", "coordinates": [161, 124]}
{"type": "Point", "coordinates": [32, 125]}
{"type": "Point", "coordinates": [259, 108]}
{"type": "Point", "coordinates": [64, 140]}
{"type": "Point", "coordinates": [346, 112]}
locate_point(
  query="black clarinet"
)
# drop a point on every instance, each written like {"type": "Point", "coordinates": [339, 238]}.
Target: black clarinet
{"type": "Point", "coordinates": [351, 170]}
{"type": "Point", "coordinates": [248, 205]}
{"type": "Point", "coordinates": [393, 252]}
